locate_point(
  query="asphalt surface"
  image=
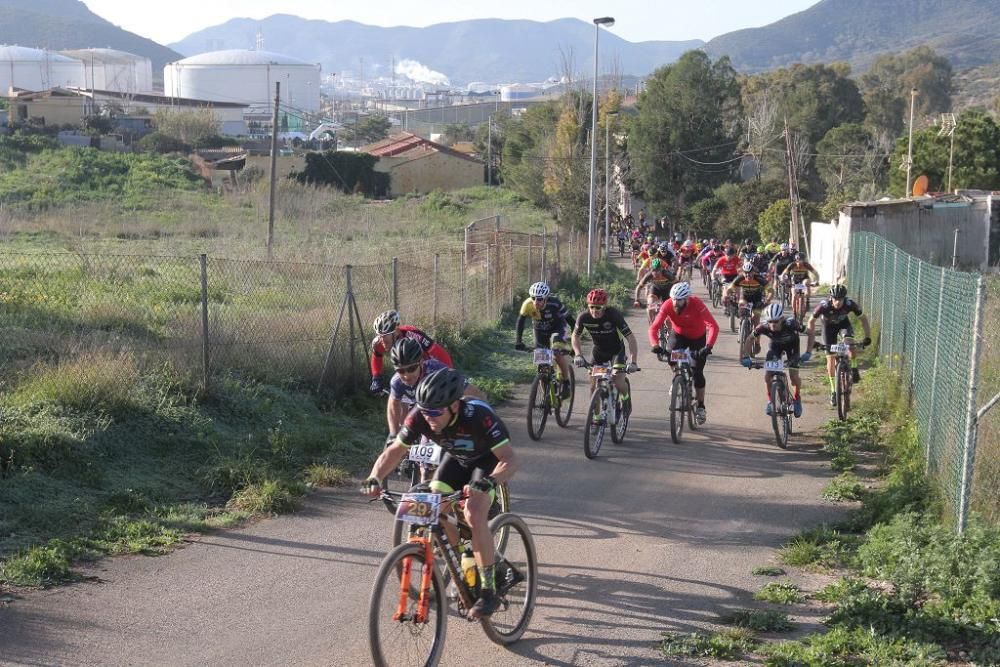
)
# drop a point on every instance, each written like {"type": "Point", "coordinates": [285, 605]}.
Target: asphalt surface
{"type": "Point", "coordinates": [649, 537]}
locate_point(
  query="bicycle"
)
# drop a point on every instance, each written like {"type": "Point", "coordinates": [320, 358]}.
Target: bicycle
{"type": "Point", "coordinates": [545, 395]}
{"type": "Point", "coordinates": [845, 382]}
{"type": "Point", "coordinates": [403, 608]}
{"type": "Point", "coordinates": [715, 291]}
{"type": "Point", "coordinates": [800, 300]}
{"type": "Point", "coordinates": [746, 324]}
{"type": "Point", "coordinates": [682, 393]}
{"type": "Point", "coordinates": [729, 305]}
{"type": "Point", "coordinates": [782, 409]}
{"type": "Point", "coordinates": [621, 247]}
{"type": "Point", "coordinates": [605, 401]}
{"type": "Point", "coordinates": [684, 275]}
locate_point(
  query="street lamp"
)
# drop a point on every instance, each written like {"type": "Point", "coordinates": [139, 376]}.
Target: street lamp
{"type": "Point", "coordinates": [948, 130]}
{"type": "Point", "coordinates": [607, 177]}
{"type": "Point", "coordinates": [909, 150]}
{"type": "Point", "coordinates": [605, 21]}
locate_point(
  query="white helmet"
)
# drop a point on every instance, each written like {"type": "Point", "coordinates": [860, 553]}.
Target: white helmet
{"type": "Point", "coordinates": [747, 267]}
{"type": "Point", "coordinates": [784, 246]}
{"type": "Point", "coordinates": [680, 291]}
{"type": "Point", "coordinates": [689, 243]}
{"type": "Point", "coordinates": [386, 322]}
{"type": "Point", "coordinates": [539, 290]}
{"type": "Point", "coordinates": [773, 311]}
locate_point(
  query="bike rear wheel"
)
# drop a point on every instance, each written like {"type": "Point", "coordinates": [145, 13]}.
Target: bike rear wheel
{"type": "Point", "coordinates": [593, 434]}
{"type": "Point", "coordinates": [716, 297]}
{"type": "Point", "coordinates": [621, 422]}
{"type": "Point", "coordinates": [564, 407]}
{"type": "Point", "coordinates": [517, 580]}
{"type": "Point", "coordinates": [744, 330]}
{"type": "Point", "coordinates": [678, 406]}
{"type": "Point", "coordinates": [779, 413]}
{"type": "Point", "coordinates": [843, 390]}
{"type": "Point", "coordinates": [538, 407]}
{"type": "Point", "coordinates": [395, 641]}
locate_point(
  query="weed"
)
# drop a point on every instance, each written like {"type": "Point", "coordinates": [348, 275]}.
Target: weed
{"type": "Point", "coordinates": [768, 571]}
{"type": "Point", "coordinates": [759, 620]}
{"type": "Point", "coordinates": [38, 566]}
{"type": "Point", "coordinates": [845, 487]}
{"type": "Point", "coordinates": [726, 645]}
{"type": "Point", "coordinates": [858, 647]}
{"type": "Point", "coordinates": [321, 474]}
{"type": "Point", "coordinates": [780, 593]}
{"type": "Point", "coordinates": [267, 497]}
{"type": "Point", "coordinates": [841, 589]}
{"type": "Point", "coordinates": [822, 547]}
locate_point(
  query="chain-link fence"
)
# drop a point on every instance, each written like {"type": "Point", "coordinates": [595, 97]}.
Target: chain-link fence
{"type": "Point", "coordinates": [302, 324]}
{"type": "Point", "coordinates": [934, 325]}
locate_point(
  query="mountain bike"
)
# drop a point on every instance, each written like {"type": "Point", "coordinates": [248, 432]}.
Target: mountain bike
{"type": "Point", "coordinates": [545, 395]}
{"type": "Point", "coordinates": [782, 409]}
{"type": "Point", "coordinates": [715, 291]}
{"type": "Point", "coordinates": [407, 612]}
{"type": "Point", "coordinates": [729, 305]}
{"type": "Point", "coordinates": [606, 405]}
{"type": "Point", "coordinates": [621, 247]}
{"type": "Point", "coordinates": [843, 373]}
{"type": "Point", "coordinates": [684, 274]}
{"type": "Point", "coordinates": [800, 300]}
{"type": "Point", "coordinates": [746, 324]}
{"type": "Point", "coordinates": [682, 393]}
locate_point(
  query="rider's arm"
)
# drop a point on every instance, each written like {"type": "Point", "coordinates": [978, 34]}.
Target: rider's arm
{"type": "Point", "coordinates": [388, 459]}
{"type": "Point", "coordinates": [574, 340]}
{"type": "Point", "coordinates": [748, 344]}
{"type": "Point", "coordinates": [435, 351]}
{"type": "Point", "coordinates": [866, 325]}
{"type": "Point", "coordinates": [375, 365]}
{"type": "Point", "coordinates": [811, 331]}
{"type": "Point", "coordinates": [395, 412]}
{"type": "Point", "coordinates": [508, 464]}
{"type": "Point", "coordinates": [633, 347]}
{"type": "Point", "coordinates": [642, 281]}
{"type": "Point", "coordinates": [565, 314]}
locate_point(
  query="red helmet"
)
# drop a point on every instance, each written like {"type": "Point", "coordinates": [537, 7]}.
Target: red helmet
{"type": "Point", "coordinates": [597, 297]}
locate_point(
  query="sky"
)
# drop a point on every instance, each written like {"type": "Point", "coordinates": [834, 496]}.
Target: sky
{"type": "Point", "coordinates": [635, 20]}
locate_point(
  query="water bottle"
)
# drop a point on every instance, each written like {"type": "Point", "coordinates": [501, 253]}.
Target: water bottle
{"type": "Point", "coordinates": [469, 569]}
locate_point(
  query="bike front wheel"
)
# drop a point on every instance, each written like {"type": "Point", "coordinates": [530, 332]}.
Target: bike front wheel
{"type": "Point", "coordinates": [538, 407]}
{"type": "Point", "coordinates": [620, 426]}
{"type": "Point", "coordinates": [395, 634]}
{"type": "Point", "coordinates": [516, 580]}
{"type": "Point", "coordinates": [780, 419]}
{"type": "Point", "coordinates": [843, 391]}
{"type": "Point", "coordinates": [678, 406]}
{"type": "Point", "coordinates": [564, 407]}
{"type": "Point", "coordinates": [593, 432]}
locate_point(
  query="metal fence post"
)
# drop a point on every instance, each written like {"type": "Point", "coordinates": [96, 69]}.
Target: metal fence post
{"type": "Point", "coordinates": [461, 314]}
{"type": "Point", "coordinates": [530, 237]}
{"type": "Point", "coordinates": [510, 273]}
{"type": "Point", "coordinates": [916, 328]}
{"type": "Point", "coordinates": [544, 250]}
{"type": "Point", "coordinates": [395, 284]}
{"type": "Point", "coordinates": [892, 308]}
{"type": "Point", "coordinates": [969, 456]}
{"type": "Point", "coordinates": [350, 320]}
{"type": "Point", "coordinates": [934, 377]}
{"type": "Point", "coordinates": [437, 274]}
{"type": "Point", "coordinates": [489, 273]}
{"type": "Point", "coordinates": [203, 259]}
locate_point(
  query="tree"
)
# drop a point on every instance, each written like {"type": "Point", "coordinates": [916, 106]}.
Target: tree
{"type": "Point", "coordinates": [744, 204]}
{"type": "Point", "coordinates": [189, 127]}
{"type": "Point", "coordinates": [852, 161]}
{"type": "Point", "coordinates": [350, 172]}
{"type": "Point", "coordinates": [455, 132]}
{"type": "Point", "coordinates": [97, 124]}
{"type": "Point", "coordinates": [886, 87]}
{"type": "Point", "coordinates": [775, 220]}
{"type": "Point", "coordinates": [525, 148]}
{"type": "Point", "coordinates": [703, 214]}
{"type": "Point", "coordinates": [683, 140]}
{"type": "Point", "coordinates": [567, 173]}
{"type": "Point", "coordinates": [368, 130]}
{"type": "Point", "coordinates": [976, 160]}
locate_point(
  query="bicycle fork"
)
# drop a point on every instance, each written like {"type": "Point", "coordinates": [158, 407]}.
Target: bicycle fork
{"type": "Point", "coordinates": [424, 602]}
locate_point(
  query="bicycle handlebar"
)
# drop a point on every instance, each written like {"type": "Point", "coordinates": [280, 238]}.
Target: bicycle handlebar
{"type": "Point", "coordinates": [587, 364]}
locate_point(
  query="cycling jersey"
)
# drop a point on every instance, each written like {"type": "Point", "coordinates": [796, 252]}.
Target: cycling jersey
{"type": "Point", "coordinates": [782, 262]}
{"type": "Point", "coordinates": [772, 248]}
{"type": "Point", "coordinates": [661, 281]}
{"type": "Point", "coordinates": [727, 266]}
{"type": "Point", "coordinates": [799, 272]}
{"type": "Point", "coordinates": [552, 318]}
{"type": "Point", "coordinates": [752, 286]}
{"type": "Point", "coordinates": [607, 331]}
{"type": "Point", "coordinates": [405, 393]}
{"type": "Point", "coordinates": [427, 344]}
{"type": "Point", "coordinates": [471, 437]}
{"type": "Point", "coordinates": [833, 315]}
{"type": "Point", "coordinates": [692, 323]}
{"type": "Point", "coordinates": [785, 336]}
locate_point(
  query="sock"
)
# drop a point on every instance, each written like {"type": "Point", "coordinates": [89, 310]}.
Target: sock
{"type": "Point", "coordinates": [833, 384]}
{"type": "Point", "coordinates": [625, 397]}
{"type": "Point", "coordinates": [487, 576]}
{"type": "Point", "coordinates": [854, 363]}
{"type": "Point", "coordinates": [795, 397]}
{"type": "Point", "coordinates": [701, 404]}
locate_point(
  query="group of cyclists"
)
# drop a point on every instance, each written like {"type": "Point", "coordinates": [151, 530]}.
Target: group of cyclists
{"type": "Point", "coordinates": [428, 399]}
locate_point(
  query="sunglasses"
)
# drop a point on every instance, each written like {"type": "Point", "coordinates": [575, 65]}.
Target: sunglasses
{"type": "Point", "coordinates": [539, 299]}
{"type": "Point", "coordinates": [432, 412]}
{"type": "Point", "coordinates": [403, 370]}
{"type": "Point", "coordinates": [593, 307]}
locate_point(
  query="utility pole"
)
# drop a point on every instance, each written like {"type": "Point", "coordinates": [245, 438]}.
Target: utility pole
{"type": "Point", "coordinates": [274, 168]}
{"type": "Point", "coordinates": [793, 235]}
{"type": "Point", "coordinates": [909, 150]}
{"type": "Point", "coordinates": [489, 161]}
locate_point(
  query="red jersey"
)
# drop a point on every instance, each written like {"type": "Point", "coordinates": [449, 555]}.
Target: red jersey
{"type": "Point", "coordinates": [694, 321]}
{"type": "Point", "coordinates": [728, 266]}
{"type": "Point", "coordinates": [431, 349]}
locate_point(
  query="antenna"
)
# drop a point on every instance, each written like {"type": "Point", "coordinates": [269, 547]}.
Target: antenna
{"type": "Point", "coordinates": [260, 39]}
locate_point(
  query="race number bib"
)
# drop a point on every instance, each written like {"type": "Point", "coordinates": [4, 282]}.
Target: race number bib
{"type": "Point", "coordinates": [599, 371]}
{"type": "Point", "coordinates": [799, 287]}
{"type": "Point", "coordinates": [774, 365]}
{"type": "Point", "coordinates": [680, 356]}
{"type": "Point", "coordinates": [426, 452]}
{"type": "Point", "coordinates": [543, 355]}
{"type": "Point", "coordinates": [419, 508]}
{"type": "Point", "coordinates": [840, 348]}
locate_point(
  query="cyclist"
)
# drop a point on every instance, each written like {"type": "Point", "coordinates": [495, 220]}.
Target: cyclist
{"type": "Point", "coordinates": [798, 272]}
{"type": "Point", "coordinates": [658, 282]}
{"type": "Point", "coordinates": [411, 366]}
{"type": "Point", "coordinates": [836, 311]}
{"type": "Point", "coordinates": [752, 286]}
{"type": "Point", "coordinates": [784, 334]}
{"type": "Point", "coordinates": [685, 255]}
{"type": "Point", "coordinates": [779, 263]}
{"type": "Point", "coordinates": [727, 268]}
{"type": "Point", "coordinates": [622, 236]}
{"type": "Point", "coordinates": [708, 256]}
{"type": "Point", "coordinates": [608, 332]}
{"type": "Point", "coordinates": [692, 327]}
{"type": "Point", "coordinates": [748, 249]}
{"type": "Point", "coordinates": [387, 331]}
{"type": "Point", "coordinates": [478, 456]}
{"type": "Point", "coordinates": [550, 317]}
{"type": "Point", "coordinates": [760, 262]}
{"type": "Point", "coordinates": [772, 248]}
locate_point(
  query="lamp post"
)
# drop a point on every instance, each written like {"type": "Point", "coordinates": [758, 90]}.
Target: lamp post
{"type": "Point", "coordinates": [909, 150]}
{"type": "Point", "coordinates": [605, 21]}
{"type": "Point", "coordinates": [948, 130]}
{"type": "Point", "coordinates": [607, 178]}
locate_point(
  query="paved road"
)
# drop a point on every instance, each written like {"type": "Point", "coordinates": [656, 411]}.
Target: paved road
{"type": "Point", "coordinates": [649, 537]}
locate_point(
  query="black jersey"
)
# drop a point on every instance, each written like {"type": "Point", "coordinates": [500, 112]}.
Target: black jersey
{"type": "Point", "coordinates": [788, 333]}
{"type": "Point", "coordinates": [606, 331]}
{"type": "Point", "coordinates": [833, 315]}
{"type": "Point", "coordinates": [471, 437]}
{"type": "Point", "coordinates": [752, 286]}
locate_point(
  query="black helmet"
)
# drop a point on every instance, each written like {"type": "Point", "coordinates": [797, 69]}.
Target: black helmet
{"type": "Point", "coordinates": [440, 389]}
{"type": "Point", "coordinates": [730, 251]}
{"type": "Point", "coordinates": [838, 292]}
{"type": "Point", "coordinates": [406, 352]}
{"type": "Point", "coordinates": [800, 257]}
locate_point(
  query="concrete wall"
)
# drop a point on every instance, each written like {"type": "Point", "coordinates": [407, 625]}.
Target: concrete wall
{"type": "Point", "coordinates": [436, 171]}
{"type": "Point", "coordinates": [54, 110]}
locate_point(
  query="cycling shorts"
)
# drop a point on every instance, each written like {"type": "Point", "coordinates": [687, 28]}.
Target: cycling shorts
{"type": "Point", "coordinates": [453, 474]}
{"type": "Point", "coordinates": [676, 342]}
{"type": "Point", "coordinates": [728, 279]}
{"type": "Point", "coordinates": [755, 301]}
{"type": "Point", "coordinates": [830, 331]}
{"type": "Point", "coordinates": [602, 356]}
{"type": "Point", "coordinates": [789, 350]}
{"type": "Point", "coordinates": [555, 340]}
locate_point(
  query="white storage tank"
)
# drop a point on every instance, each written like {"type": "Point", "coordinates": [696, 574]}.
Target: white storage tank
{"type": "Point", "coordinates": [35, 69]}
{"type": "Point", "coordinates": [117, 71]}
{"type": "Point", "coordinates": [518, 91]}
{"type": "Point", "coordinates": [244, 76]}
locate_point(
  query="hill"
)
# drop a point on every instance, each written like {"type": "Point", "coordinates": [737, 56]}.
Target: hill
{"type": "Point", "coordinates": [857, 30]}
{"type": "Point", "coordinates": [489, 50]}
{"type": "Point", "coordinates": [69, 24]}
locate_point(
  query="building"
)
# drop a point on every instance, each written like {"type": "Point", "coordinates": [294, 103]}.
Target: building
{"type": "Point", "coordinates": [59, 106]}
{"type": "Point", "coordinates": [417, 165]}
{"type": "Point", "coordinates": [34, 69]}
{"type": "Point", "coordinates": [246, 77]}
{"type": "Point", "coordinates": [108, 69]}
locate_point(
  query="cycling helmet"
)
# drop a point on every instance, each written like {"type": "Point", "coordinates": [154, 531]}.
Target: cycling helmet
{"type": "Point", "coordinates": [386, 322]}
{"type": "Point", "coordinates": [406, 352]}
{"type": "Point", "coordinates": [784, 247]}
{"type": "Point", "coordinates": [655, 265]}
{"type": "Point", "coordinates": [680, 291]}
{"type": "Point", "coordinates": [539, 290]}
{"type": "Point", "coordinates": [838, 292]}
{"type": "Point", "coordinates": [773, 312]}
{"type": "Point", "coordinates": [747, 242]}
{"type": "Point", "coordinates": [646, 246]}
{"type": "Point", "coordinates": [730, 251]}
{"type": "Point", "coordinates": [800, 257]}
{"type": "Point", "coordinates": [678, 237]}
{"type": "Point", "coordinates": [747, 267]}
{"type": "Point", "coordinates": [760, 248]}
{"type": "Point", "coordinates": [597, 297]}
{"type": "Point", "coordinates": [440, 389]}
{"type": "Point", "coordinates": [689, 244]}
